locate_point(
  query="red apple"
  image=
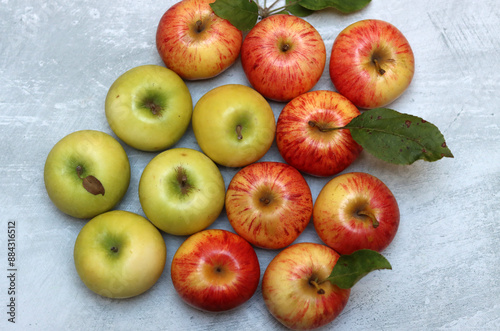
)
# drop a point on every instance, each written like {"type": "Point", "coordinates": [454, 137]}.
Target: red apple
{"type": "Point", "coordinates": [269, 204]}
{"type": "Point", "coordinates": [356, 211]}
{"type": "Point", "coordinates": [196, 43]}
{"type": "Point", "coordinates": [371, 63]}
{"type": "Point", "coordinates": [215, 270]}
{"type": "Point", "coordinates": [283, 56]}
{"type": "Point", "coordinates": [295, 288]}
{"type": "Point", "coordinates": [306, 136]}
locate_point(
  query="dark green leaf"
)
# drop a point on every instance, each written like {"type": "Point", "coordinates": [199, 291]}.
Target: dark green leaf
{"type": "Point", "coordinates": [345, 6]}
{"type": "Point", "coordinates": [294, 8]}
{"type": "Point", "coordinates": [349, 269]}
{"type": "Point", "coordinates": [243, 14]}
{"type": "Point", "coordinates": [398, 138]}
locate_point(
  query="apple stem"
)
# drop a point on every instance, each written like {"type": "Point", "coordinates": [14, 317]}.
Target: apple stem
{"type": "Point", "coordinates": [374, 220]}
{"type": "Point", "coordinates": [315, 284]}
{"type": "Point", "coordinates": [199, 26]}
{"type": "Point", "coordinates": [378, 67]}
{"type": "Point", "coordinates": [238, 131]}
{"type": "Point", "coordinates": [183, 180]}
{"type": "Point", "coordinates": [321, 128]}
{"type": "Point", "coordinates": [79, 171]}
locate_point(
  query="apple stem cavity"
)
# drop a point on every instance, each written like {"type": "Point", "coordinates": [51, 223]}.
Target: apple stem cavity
{"type": "Point", "coordinates": [319, 290]}
{"type": "Point", "coordinates": [182, 179]}
{"type": "Point", "coordinates": [238, 131]}
{"type": "Point", "coordinates": [372, 217]}
{"type": "Point", "coordinates": [199, 26]}
{"type": "Point", "coordinates": [378, 67]}
{"type": "Point", "coordinates": [155, 108]}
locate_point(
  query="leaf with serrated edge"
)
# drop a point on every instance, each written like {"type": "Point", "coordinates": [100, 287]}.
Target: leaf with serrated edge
{"type": "Point", "coordinates": [398, 138]}
{"type": "Point", "coordinates": [243, 14]}
{"type": "Point", "coordinates": [349, 269]}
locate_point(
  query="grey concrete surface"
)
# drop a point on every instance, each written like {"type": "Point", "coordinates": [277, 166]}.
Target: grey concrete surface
{"type": "Point", "coordinates": [58, 59]}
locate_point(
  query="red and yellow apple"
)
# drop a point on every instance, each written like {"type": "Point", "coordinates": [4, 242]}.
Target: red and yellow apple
{"type": "Point", "coordinates": [308, 137]}
{"type": "Point", "coordinates": [269, 204]}
{"type": "Point", "coordinates": [283, 56]}
{"type": "Point", "coordinates": [196, 43]}
{"type": "Point", "coordinates": [215, 270]}
{"type": "Point", "coordinates": [371, 63]}
{"type": "Point", "coordinates": [296, 290]}
{"type": "Point", "coordinates": [356, 211]}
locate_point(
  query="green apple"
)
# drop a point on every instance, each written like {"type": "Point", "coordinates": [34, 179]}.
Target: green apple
{"type": "Point", "coordinates": [86, 173]}
{"type": "Point", "coordinates": [234, 125]}
{"type": "Point", "coordinates": [149, 107]}
{"type": "Point", "coordinates": [119, 254]}
{"type": "Point", "coordinates": [181, 191]}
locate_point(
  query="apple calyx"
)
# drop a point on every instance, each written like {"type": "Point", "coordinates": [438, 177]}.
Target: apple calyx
{"type": "Point", "coordinates": [114, 249]}
{"type": "Point", "coordinates": [90, 183]}
{"type": "Point", "coordinates": [182, 180]}
{"type": "Point", "coordinates": [155, 108]}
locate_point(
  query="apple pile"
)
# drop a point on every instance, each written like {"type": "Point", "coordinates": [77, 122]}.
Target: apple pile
{"type": "Point", "coordinates": [120, 254]}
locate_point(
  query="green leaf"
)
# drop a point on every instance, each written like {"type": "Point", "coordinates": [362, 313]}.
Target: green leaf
{"type": "Point", "coordinates": [294, 8]}
{"type": "Point", "coordinates": [243, 14]}
{"type": "Point", "coordinates": [345, 6]}
{"type": "Point", "coordinates": [398, 138]}
{"type": "Point", "coordinates": [349, 269]}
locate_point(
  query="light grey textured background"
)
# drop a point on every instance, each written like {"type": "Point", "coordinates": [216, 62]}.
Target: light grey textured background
{"type": "Point", "coordinates": [57, 60]}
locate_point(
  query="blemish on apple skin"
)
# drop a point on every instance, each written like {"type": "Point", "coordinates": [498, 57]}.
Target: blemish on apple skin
{"type": "Point", "coordinates": [117, 96]}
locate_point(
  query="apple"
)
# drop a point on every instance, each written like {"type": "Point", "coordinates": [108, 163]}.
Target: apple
{"type": "Point", "coordinates": [181, 191]}
{"type": "Point", "coordinates": [295, 289]}
{"type": "Point", "coordinates": [371, 63]}
{"type": "Point", "coordinates": [307, 137]}
{"type": "Point", "coordinates": [119, 254]}
{"type": "Point", "coordinates": [356, 211]}
{"type": "Point", "coordinates": [149, 107]}
{"type": "Point", "coordinates": [269, 204]}
{"type": "Point", "coordinates": [86, 173]}
{"type": "Point", "coordinates": [234, 125]}
{"type": "Point", "coordinates": [196, 43]}
{"type": "Point", "coordinates": [215, 270]}
{"type": "Point", "coordinates": [283, 56]}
